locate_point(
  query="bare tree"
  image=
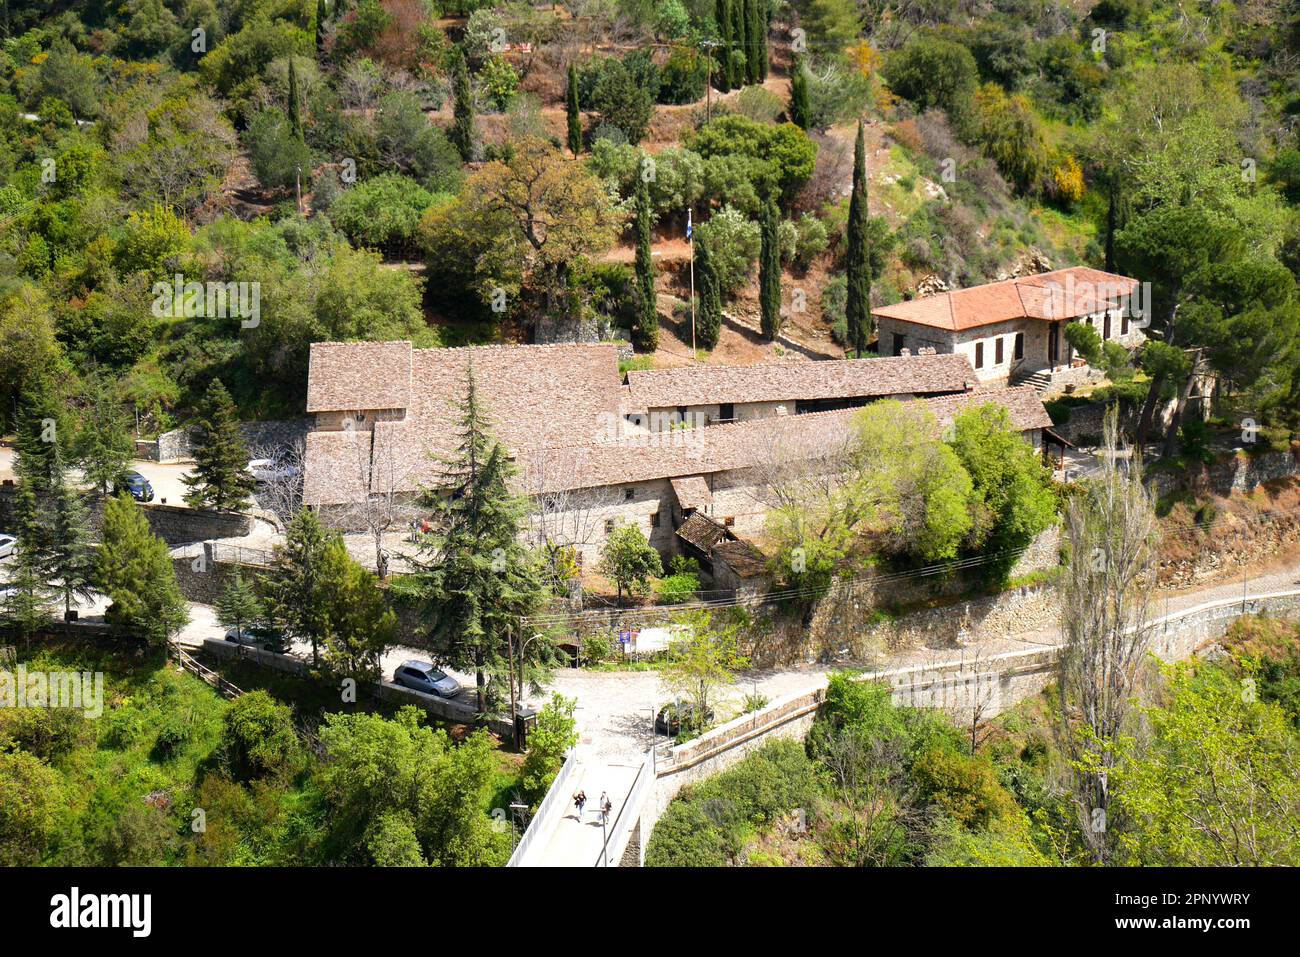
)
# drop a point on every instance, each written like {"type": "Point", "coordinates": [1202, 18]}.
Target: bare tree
{"type": "Point", "coordinates": [562, 518]}
{"type": "Point", "coordinates": [1105, 598]}
{"type": "Point", "coordinates": [872, 792]}
{"type": "Point", "coordinates": [279, 489]}
{"type": "Point", "coordinates": [387, 466]}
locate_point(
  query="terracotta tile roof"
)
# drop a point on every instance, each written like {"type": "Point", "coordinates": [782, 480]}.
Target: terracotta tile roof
{"type": "Point", "coordinates": [1060, 294]}
{"type": "Point", "coordinates": [692, 492]}
{"type": "Point", "coordinates": [702, 532]}
{"type": "Point", "coordinates": [741, 557]}
{"type": "Point", "coordinates": [797, 379]}
{"type": "Point", "coordinates": [352, 376]}
{"type": "Point", "coordinates": [555, 408]}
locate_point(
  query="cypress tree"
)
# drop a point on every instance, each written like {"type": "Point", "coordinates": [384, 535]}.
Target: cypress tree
{"type": "Point", "coordinates": [322, 11]}
{"type": "Point", "coordinates": [220, 477]}
{"type": "Point", "coordinates": [769, 272]}
{"type": "Point", "coordinates": [462, 128]}
{"type": "Point", "coordinates": [722, 13]}
{"type": "Point", "coordinates": [755, 41]}
{"type": "Point", "coordinates": [647, 326]}
{"type": "Point", "coordinates": [738, 40]}
{"type": "Point", "coordinates": [800, 107]}
{"type": "Point", "coordinates": [857, 309]}
{"type": "Point", "coordinates": [295, 118]}
{"type": "Point", "coordinates": [575, 117]}
{"type": "Point", "coordinates": [708, 323]}
{"type": "Point", "coordinates": [475, 576]}
{"type": "Point", "coordinates": [764, 25]}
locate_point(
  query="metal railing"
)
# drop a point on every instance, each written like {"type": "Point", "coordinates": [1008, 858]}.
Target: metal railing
{"type": "Point", "coordinates": [619, 832]}
{"type": "Point", "coordinates": [541, 824]}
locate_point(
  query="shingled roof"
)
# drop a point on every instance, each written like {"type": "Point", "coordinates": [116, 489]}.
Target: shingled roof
{"type": "Point", "coordinates": [795, 379]}
{"type": "Point", "coordinates": [556, 409]}
{"type": "Point", "coordinates": [354, 376]}
{"type": "Point", "coordinates": [1060, 294]}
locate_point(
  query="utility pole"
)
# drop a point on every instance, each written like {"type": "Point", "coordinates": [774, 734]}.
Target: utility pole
{"type": "Point", "coordinates": [707, 46]}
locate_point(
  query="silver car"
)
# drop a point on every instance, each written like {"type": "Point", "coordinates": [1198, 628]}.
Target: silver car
{"type": "Point", "coordinates": [422, 676]}
{"type": "Point", "coordinates": [7, 545]}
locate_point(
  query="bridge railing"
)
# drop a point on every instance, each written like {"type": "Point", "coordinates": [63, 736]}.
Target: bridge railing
{"type": "Point", "coordinates": [548, 812]}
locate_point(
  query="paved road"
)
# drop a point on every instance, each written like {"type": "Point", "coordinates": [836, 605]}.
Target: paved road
{"type": "Point", "coordinates": [164, 477]}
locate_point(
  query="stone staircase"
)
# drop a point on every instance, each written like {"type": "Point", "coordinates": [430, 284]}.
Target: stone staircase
{"type": "Point", "coordinates": [1040, 380]}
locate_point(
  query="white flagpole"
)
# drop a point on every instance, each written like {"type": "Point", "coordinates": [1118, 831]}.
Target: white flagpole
{"type": "Point", "coordinates": [691, 241]}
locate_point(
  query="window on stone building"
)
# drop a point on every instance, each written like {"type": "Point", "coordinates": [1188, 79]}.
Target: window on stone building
{"type": "Point", "coordinates": [979, 355]}
{"type": "Point", "coordinates": [997, 351]}
{"type": "Point", "coordinates": [627, 494]}
{"type": "Point", "coordinates": [654, 519]}
{"type": "Point", "coordinates": [1018, 351]}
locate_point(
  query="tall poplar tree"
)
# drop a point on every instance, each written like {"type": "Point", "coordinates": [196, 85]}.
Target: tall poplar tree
{"type": "Point", "coordinates": [857, 309]}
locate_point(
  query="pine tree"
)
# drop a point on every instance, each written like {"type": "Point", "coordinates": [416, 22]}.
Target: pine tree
{"type": "Point", "coordinates": [574, 114]}
{"type": "Point", "coordinates": [647, 326]}
{"type": "Point", "coordinates": [800, 107]}
{"type": "Point", "coordinates": [238, 606]}
{"type": "Point", "coordinates": [709, 314]}
{"type": "Point", "coordinates": [220, 478]}
{"type": "Point", "coordinates": [462, 128]}
{"type": "Point", "coordinates": [295, 118]}
{"type": "Point", "coordinates": [294, 581]}
{"type": "Point", "coordinates": [738, 40]}
{"type": "Point", "coordinates": [359, 625]}
{"type": "Point", "coordinates": [722, 13]}
{"type": "Point", "coordinates": [26, 600]}
{"type": "Point", "coordinates": [104, 447]}
{"type": "Point", "coordinates": [857, 309]}
{"type": "Point", "coordinates": [134, 569]}
{"type": "Point", "coordinates": [474, 575]}
{"type": "Point", "coordinates": [67, 560]}
{"type": "Point", "coordinates": [769, 272]}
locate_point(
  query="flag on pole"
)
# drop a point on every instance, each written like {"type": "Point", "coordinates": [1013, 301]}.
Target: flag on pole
{"type": "Point", "coordinates": [689, 228]}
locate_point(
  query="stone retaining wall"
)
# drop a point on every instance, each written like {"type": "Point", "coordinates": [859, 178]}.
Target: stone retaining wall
{"type": "Point", "coordinates": [175, 446]}
{"type": "Point", "coordinates": [1008, 678]}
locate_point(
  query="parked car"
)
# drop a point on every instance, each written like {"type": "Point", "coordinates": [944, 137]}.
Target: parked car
{"type": "Point", "coordinates": [422, 676]}
{"type": "Point", "coordinates": [7, 545]}
{"type": "Point", "coordinates": [672, 717]}
{"type": "Point", "coordinates": [271, 470]}
{"type": "Point", "coordinates": [256, 636]}
{"type": "Point", "coordinates": [135, 485]}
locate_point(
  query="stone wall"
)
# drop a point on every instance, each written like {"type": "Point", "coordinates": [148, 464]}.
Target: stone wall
{"type": "Point", "coordinates": [174, 524]}
{"type": "Point", "coordinates": [1233, 472]}
{"type": "Point", "coordinates": [175, 446]}
{"type": "Point", "coordinates": [1000, 682]}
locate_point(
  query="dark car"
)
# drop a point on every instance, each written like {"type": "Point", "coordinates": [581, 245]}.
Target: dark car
{"type": "Point", "coordinates": [135, 485]}
{"type": "Point", "coordinates": [672, 717]}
